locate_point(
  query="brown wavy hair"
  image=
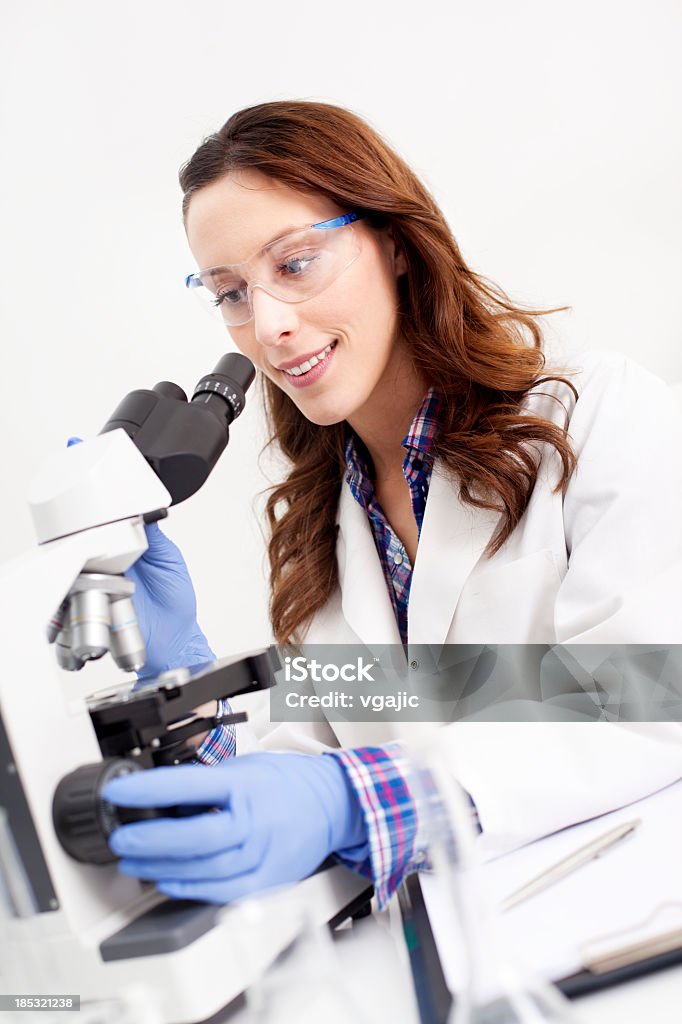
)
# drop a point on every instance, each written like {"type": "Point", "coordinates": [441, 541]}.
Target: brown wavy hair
{"type": "Point", "coordinates": [467, 339]}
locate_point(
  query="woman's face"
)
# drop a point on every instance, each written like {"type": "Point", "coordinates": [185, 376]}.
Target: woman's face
{"type": "Point", "coordinates": [230, 220]}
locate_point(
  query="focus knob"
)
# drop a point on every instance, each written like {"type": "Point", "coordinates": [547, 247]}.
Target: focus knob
{"type": "Point", "coordinates": [84, 821]}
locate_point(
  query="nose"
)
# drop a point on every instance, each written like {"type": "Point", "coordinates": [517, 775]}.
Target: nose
{"type": "Point", "coordinates": [274, 320]}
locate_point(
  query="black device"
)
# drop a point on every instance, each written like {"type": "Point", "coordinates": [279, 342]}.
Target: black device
{"type": "Point", "coordinates": [142, 727]}
{"type": "Point", "coordinates": [181, 440]}
{"type": "Point", "coordinates": [150, 723]}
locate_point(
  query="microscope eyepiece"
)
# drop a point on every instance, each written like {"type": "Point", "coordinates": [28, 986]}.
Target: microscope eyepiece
{"type": "Point", "coordinates": [168, 389]}
{"type": "Point", "coordinates": [229, 382]}
{"type": "Point", "coordinates": [181, 440]}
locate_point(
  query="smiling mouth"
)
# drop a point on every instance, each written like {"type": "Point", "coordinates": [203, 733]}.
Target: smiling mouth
{"type": "Point", "coordinates": [308, 364]}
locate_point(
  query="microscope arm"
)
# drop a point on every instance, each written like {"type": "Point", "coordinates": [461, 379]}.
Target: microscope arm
{"type": "Point", "coordinates": [156, 450]}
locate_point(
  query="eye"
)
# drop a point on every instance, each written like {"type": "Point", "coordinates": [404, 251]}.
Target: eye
{"type": "Point", "coordinates": [230, 296]}
{"type": "Point", "coordinates": [295, 266]}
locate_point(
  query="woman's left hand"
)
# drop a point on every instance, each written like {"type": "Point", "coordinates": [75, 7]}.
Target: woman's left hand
{"type": "Point", "coordinates": [262, 820]}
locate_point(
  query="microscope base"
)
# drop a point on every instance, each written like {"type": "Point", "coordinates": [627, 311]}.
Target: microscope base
{"type": "Point", "coordinates": [189, 977]}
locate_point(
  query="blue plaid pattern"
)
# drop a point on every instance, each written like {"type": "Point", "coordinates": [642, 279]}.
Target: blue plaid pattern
{"type": "Point", "coordinates": [378, 778]}
{"type": "Point", "coordinates": [378, 774]}
{"type": "Point", "coordinates": [417, 466]}
{"type": "Point", "coordinates": [220, 743]}
{"type": "Point", "coordinates": [396, 837]}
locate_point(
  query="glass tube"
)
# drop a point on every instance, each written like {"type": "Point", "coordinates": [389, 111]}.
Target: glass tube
{"type": "Point", "coordinates": [494, 990]}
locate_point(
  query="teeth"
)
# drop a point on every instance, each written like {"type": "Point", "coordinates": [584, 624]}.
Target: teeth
{"type": "Point", "coordinates": [296, 371]}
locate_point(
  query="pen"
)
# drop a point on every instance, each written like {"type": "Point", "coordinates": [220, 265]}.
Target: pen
{"type": "Point", "coordinates": [568, 864]}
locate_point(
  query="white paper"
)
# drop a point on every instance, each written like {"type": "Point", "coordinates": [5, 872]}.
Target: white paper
{"type": "Point", "coordinates": [618, 892]}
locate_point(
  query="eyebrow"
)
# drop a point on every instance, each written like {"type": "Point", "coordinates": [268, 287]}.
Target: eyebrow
{"type": "Point", "coordinates": [276, 238]}
{"type": "Point", "coordinates": [279, 235]}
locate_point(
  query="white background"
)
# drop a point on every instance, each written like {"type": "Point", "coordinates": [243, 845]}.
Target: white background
{"type": "Point", "coordinates": [549, 134]}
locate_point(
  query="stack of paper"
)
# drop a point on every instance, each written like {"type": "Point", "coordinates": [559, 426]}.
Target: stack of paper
{"type": "Point", "coordinates": [631, 893]}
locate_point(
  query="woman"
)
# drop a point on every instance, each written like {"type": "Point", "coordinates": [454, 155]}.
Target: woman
{"type": "Point", "coordinates": [410, 399]}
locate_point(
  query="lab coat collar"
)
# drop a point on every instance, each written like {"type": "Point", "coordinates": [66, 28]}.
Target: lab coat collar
{"type": "Point", "coordinates": [453, 539]}
{"type": "Point", "coordinates": [366, 603]}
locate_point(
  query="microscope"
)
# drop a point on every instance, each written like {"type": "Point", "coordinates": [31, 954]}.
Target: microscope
{"type": "Point", "coordinates": [72, 923]}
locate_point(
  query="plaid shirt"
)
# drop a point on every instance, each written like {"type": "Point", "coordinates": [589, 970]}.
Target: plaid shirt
{"type": "Point", "coordinates": [417, 466]}
{"type": "Point", "coordinates": [220, 743]}
{"type": "Point", "coordinates": [379, 775]}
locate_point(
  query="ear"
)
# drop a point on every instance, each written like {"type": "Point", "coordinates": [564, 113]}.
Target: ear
{"type": "Point", "coordinates": [400, 261]}
{"type": "Point", "coordinates": [396, 253]}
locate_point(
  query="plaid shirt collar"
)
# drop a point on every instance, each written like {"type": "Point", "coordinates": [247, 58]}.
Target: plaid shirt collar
{"type": "Point", "coordinates": [418, 444]}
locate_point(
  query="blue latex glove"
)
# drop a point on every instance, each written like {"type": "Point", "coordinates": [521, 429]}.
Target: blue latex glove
{"type": "Point", "coordinates": [279, 816]}
{"type": "Point", "coordinates": [166, 607]}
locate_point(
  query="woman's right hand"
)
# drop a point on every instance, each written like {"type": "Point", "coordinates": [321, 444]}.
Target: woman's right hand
{"type": "Point", "coordinates": [166, 607]}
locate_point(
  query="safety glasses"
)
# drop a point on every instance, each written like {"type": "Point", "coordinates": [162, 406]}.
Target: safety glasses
{"type": "Point", "coordinates": [293, 268]}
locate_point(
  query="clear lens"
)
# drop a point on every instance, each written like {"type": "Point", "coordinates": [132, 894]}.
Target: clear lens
{"type": "Point", "coordinates": [293, 269]}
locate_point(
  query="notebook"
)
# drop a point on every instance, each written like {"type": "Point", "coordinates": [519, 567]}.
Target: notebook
{"type": "Point", "coordinates": [617, 916]}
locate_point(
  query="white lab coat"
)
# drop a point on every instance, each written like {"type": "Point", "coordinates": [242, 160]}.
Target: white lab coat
{"type": "Point", "coordinates": [601, 564]}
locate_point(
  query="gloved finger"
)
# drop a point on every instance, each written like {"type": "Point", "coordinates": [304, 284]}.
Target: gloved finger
{"type": "Point", "coordinates": [152, 530]}
{"type": "Point", "coordinates": [179, 838]}
{"type": "Point", "coordinates": [155, 536]}
{"type": "Point", "coordinates": [200, 785]}
{"type": "Point", "coordinates": [219, 867]}
{"type": "Point", "coordinates": [74, 440]}
{"type": "Point", "coordinates": [160, 548]}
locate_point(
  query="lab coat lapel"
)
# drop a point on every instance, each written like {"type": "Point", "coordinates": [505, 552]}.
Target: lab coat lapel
{"type": "Point", "coordinates": [366, 603]}
{"type": "Point", "coordinates": [452, 540]}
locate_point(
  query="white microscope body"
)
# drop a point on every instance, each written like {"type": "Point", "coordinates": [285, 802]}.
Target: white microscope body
{"type": "Point", "coordinates": [60, 915]}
